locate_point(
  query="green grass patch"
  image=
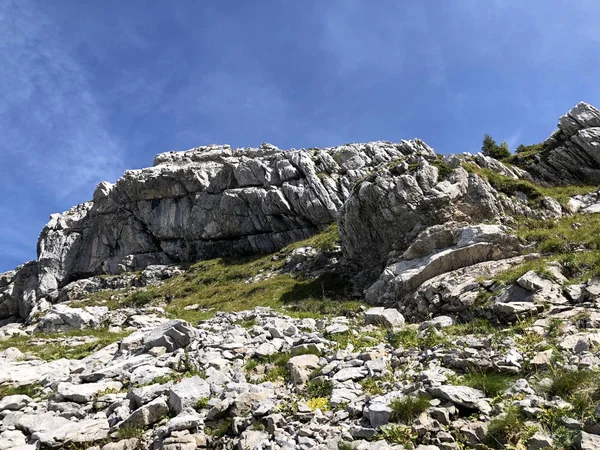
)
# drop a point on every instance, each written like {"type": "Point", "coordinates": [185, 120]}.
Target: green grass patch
{"type": "Point", "coordinates": [409, 338]}
{"type": "Point", "coordinates": [221, 285]}
{"type": "Point", "coordinates": [581, 388]}
{"type": "Point", "coordinates": [406, 409]}
{"type": "Point", "coordinates": [492, 384]}
{"type": "Point", "coordinates": [533, 191]}
{"type": "Point", "coordinates": [477, 327]}
{"type": "Point", "coordinates": [275, 366]}
{"type": "Point", "coordinates": [30, 390]}
{"type": "Point", "coordinates": [247, 324]}
{"type": "Point", "coordinates": [131, 431]}
{"type": "Point", "coordinates": [371, 386]}
{"type": "Point", "coordinates": [508, 429]}
{"type": "Point", "coordinates": [51, 346]}
{"type": "Point", "coordinates": [564, 235]}
{"type": "Point", "coordinates": [444, 169]}
{"type": "Point", "coordinates": [510, 276]}
{"type": "Point", "coordinates": [201, 404]}
{"type": "Point", "coordinates": [220, 428]}
{"type": "Point", "coordinates": [319, 388]}
{"type": "Point", "coordinates": [359, 341]}
{"type": "Point", "coordinates": [397, 434]}
{"type": "Point", "coordinates": [325, 241]}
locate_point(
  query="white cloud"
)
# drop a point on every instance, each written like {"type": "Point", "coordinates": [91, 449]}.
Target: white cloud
{"type": "Point", "coordinates": [49, 115]}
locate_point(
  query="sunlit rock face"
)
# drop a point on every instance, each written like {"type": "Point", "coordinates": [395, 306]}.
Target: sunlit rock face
{"type": "Point", "coordinates": [203, 203]}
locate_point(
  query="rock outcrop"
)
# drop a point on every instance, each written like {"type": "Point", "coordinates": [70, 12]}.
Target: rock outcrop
{"type": "Point", "coordinates": [572, 154]}
{"type": "Point", "coordinates": [202, 203]}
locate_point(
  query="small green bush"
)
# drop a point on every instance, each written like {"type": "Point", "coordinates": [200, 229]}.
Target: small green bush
{"type": "Point", "coordinates": [490, 148]}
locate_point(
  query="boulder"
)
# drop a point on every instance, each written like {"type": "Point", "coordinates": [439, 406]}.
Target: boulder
{"type": "Point", "coordinates": [14, 402]}
{"type": "Point", "coordinates": [65, 318]}
{"type": "Point", "coordinates": [147, 415]}
{"type": "Point", "coordinates": [587, 441]}
{"type": "Point", "coordinates": [172, 335]}
{"type": "Point", "coordinates": [52, 431]}
{"type": "Point", "coordinates": [387, 317]}
{"type": "Point", "coordinates": [472, 245]}
{"type": "Point", "coordinates": [462, 396]}
{"type": "Point", "coordinates": [84, 393]}
{"type": "Point", "coordinates": [187, 392]}
{"type": "Point", "coordinates": [301, 367]}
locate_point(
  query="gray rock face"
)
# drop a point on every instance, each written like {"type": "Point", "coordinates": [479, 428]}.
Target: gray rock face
{"type": "Point", "coordinates": [389, 210]}
{"type": "Point", "coordinates": [472, 245]}
{"type": "Point", "coordinates": [572, 154]}
{"type": "Point", "coordinates": [198, 204]}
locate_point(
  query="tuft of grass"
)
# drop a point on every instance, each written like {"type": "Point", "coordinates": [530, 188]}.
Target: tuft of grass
{"type": "Point", "coordinates": [201, 404]}
{"type": "Point", "coordinates": [219, 429]}
{"type": "Point", "coordinates": [397, 434]}
{"type": "Point", "coordinates": [492, 384]}
{"type": "Point", "coordinates": [406, 338]}
{"type": "Point", "coordinates": [276, 366]}
{"type": "Point", "coordinates": [533, 191]}
{"type": "Point", "coordinates": [343, 445]}
{"type": "Point", "coordinates": [409, 338]}
{"type": "Point", "coordinates": [360, 341]}
{"type": "Point", "coordinates": [511, 275]}
{"type": "Point", "coordinates": [444, 170]}
{"type": "Point", "coordinates": [407, 408]}
{"type": "Point", "coordinates": [504, 184]}
{"type": "Point", "coordinates": [508, 430]}
{"type": "Point", "coordinates": [30, 390]}
{"type": "Point", "coordinates": [131, 431]}
{"type": "Point", "coordinates": [371, 386]}
{"type": "Point", "coordinates": [564, 235]}
{"type": "Point", "coordinates": [478, 327]}
{"type": "Point", "coordinates": [247, 324]}
{"type": "Point", "coordinates": [141, 298]}
{"type": "Point", "coordinates": [321, 403]}
{"type": "Point", "coordinates": [325, 241]}
{"type": "Point", "coordinates": [580, 388]}
{"type": "Point", "coordinates": [52, 346]}
{"type": "Point", "coordinates": [315, 308]}
{"type": "Point", "coordinates": [319, 388]}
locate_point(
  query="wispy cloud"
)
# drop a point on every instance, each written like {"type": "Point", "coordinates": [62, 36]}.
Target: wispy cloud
{"type": "Point", "coordinates": [49, 115]}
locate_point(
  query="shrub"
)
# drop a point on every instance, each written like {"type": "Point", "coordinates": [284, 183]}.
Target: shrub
{"type": "Point", "coordinates": [490, 148]}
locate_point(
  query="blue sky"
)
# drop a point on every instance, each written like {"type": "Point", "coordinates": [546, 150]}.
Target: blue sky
{"type": "Point", "coordinates": [90, 89]}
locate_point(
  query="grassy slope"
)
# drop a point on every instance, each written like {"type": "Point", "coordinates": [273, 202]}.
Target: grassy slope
{"type": "Point", "coordinates": [222, 285]}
